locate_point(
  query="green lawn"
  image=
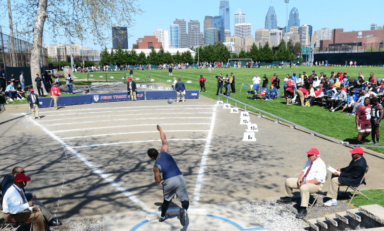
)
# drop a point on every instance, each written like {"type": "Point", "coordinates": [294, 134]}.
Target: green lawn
{"type": "Point", "coordinates": [376, 196]}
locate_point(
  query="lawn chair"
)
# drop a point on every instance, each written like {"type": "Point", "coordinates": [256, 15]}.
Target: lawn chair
{"type": "Point", "coordinates": [356, 189]}
{"type": "Point", "coordinates": [317, 195]}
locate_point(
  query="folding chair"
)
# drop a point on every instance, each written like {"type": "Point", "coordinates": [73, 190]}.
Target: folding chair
{"type": "Point", "coordinates": [356, 189]}
{"type": "Point", "coordinates": [316, 195]}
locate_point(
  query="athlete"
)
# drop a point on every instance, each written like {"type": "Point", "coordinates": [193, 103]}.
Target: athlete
{"type": "Point", "coordinates": [377, 116]}
{"type": "Point", "coordinates": [169, 175]}
{"type": "Point", "coordinates": [363, 120]}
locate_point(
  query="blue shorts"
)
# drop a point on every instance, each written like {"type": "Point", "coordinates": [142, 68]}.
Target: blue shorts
{"type": "Point", "coordinates": [256, 87]}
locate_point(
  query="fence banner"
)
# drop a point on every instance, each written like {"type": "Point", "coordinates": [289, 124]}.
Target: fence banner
{"type": "Point", "coordinates": [189, 94]}
{"type": "Point", "coordinates": [110, 97]}
{"type": "Point", "coordinates": [66, 100]}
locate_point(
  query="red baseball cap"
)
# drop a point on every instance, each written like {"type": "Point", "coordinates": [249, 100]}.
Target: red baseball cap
{"type": "Point", "coordinates": [54, 83]}
{"type": "Point", "coordinates": [31, 90]}
{"type": "Point", "coordinates": [129, 78]}
{"type": "Point", "coordinates": [357, 150]}
{"type": "Point", "coordinates": [20, 177]}
{"type": "Point", "coordinates": [313, 151]}
{"type": "Point", "coordinates": [339, 72]}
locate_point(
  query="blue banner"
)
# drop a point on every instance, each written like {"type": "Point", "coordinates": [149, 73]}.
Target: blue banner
{"type": "Point", "coordinates": [189, 94]}
{"type": "Point", "coordinates": [110, 97]}
{"type": "Point", "coordinates": [66, 100]}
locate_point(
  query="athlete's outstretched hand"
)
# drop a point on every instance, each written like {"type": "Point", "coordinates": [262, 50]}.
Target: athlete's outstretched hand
{"type": "Point", "coordinates": [158, 127]}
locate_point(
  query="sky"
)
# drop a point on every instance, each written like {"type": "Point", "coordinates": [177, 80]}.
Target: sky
{"type": "Point", "coordinates": [351, 15]}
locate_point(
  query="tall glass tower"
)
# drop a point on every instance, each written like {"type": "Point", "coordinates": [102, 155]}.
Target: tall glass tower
{"type": "Point", "coordinates": [224, 11]}
{"type": "Point", "coordinates": [174, 38]}
{"type": "Point", "coordinates": [294, 19]}
{"type": "Point", "coordinates": [238, 17]}
{"type": "Point", "coordinates": [271, 19]}
{"type": "Point", "coordinates": [218, 22]}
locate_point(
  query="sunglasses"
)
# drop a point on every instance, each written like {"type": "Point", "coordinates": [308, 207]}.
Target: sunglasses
{"type": "Point", "coordinates": [310, 155]}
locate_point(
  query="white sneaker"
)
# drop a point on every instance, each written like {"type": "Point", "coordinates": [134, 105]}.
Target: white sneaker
{"type": "Point", "coordinates": [332, 202]}
{"type": "Point", "coordinates": [10, 99]}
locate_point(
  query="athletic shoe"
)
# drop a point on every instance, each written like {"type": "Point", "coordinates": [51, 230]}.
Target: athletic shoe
{"type": "Point", "coordinates": [377, 143]}
{"type": "Point", "coordinates": [352, 114]}
{"type": "Point", "coordinates": [332, 202]}
{"type": "Point", "coordinates": [183, 216]}
{"type": "Point", "coordinates": [370, 142]}
{"type": "Point", "coordinates": [10, 99]}
{"type": "Point", "coordinates": [161, 219]}
{"type": "Point", "coordinates": [333, 110]}
{"type": "Point", "coordinates": [18, 98]}
{"type": "Point", "coordinates": [284, 200]}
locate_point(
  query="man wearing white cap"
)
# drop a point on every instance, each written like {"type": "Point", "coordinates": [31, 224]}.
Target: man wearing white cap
{"type": "Point", "coordinates": [311, 180]}
{"type": "Point", "coordinates": [131, 87]}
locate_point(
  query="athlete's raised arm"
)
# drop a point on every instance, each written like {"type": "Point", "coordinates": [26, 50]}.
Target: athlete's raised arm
{"type": "Point", "coordinates": [164, 146]}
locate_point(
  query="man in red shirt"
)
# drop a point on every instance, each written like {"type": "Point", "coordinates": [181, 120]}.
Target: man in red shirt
{"type": "Point", "coordinates": [363, 120]}
{"type": "Point", "coordinates": [372, 79]}
{"type": "Point", "coordinates": [55, 92]}
{"type": "Point", "coordinates": [303, 94]}
{"type": "Point", "coordinates": [202, 81]}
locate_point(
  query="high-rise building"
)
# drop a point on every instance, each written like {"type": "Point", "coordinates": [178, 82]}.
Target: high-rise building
{"type": "Point", "coordinates": [275, 37]}
{"type": "Point", "coordinates": [174, 38]}
{"type": "Point", "coordinates": [322, 34]}
{"type": "Point", "coordinates": [271, 19]}
{"type": "Point", "coordinates": [211, 36]}
{"type": "Point", "coordinates": [227, 33]}
{"type": "Point", "coordinates": [163, 37]}
{"type": "Point", "coordinates": [262, 34]}
{"type": "Point", "coordinates": [310, 32]}
{"type": "Point", "coordinates": [294, 19]}
{"type": "Point", "coordinates": [238, 17]}
{"type": "Point", "coordinates": [194, 33]}
{"type": "Point", "coordinates": [293, 35]}
{"type": "Point", "coordinates": [207, 22]}
{"type": "Point", "coordinates": [243, 30]}
{"type": "Point", "coordinates": [224, 11]}
{"type": "Point", "coordinates": [373, 26]}
{"type": "Point", "coordinates": [304, 35]}
{"type": "Point", "coordinates": [184, 43]}
{"type": "Point", "coordinates": [218, 22]}
{"type": "Point", "coordinates": [120, 37]}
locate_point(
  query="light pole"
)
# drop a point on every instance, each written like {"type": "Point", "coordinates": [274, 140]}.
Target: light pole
{"type": "Point", "coordinates": [286, 27]}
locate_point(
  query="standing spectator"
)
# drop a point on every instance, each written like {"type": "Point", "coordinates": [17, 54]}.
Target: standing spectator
{"type": "Point", "coordinates": [170, 70]}
{"type": "Point", "coordinates": [22, 80]}
{"type": "Point", "coordinates": [33, 101]}
{"type": "Point", "coordinates": [39, 85]}
{"type": "Point", "coordinates": [276, 84]}
{"type": "Point", "coordinates": [377, 116]}
{"type": "Point", "coordinates": [256, 83]}
{"type": "Point", "coordinates": [265, 82]}
{"type": "Point", "coordinates": [3, 81]}
{"type": "Point", "coordinates": [289, 91]}
{"type": "Point", "coordinates": [174, 83]}
{"type": "Point", "coordinates": [131, 87]}
{"type": "Point", "coordinates": [372, 79]}
{"type": "Point", "coordinates": [355, 63]}
{"type": "Point", "coordinates": [232, 80]}
{"type": "Point", "coordinates": [363, 120]}
{"type": "Point", "coordinates": [180, 89]}
{"type": "Point", "coordinates": [69, 79]}
{"type": "Point", "coordinates": [202, 81]}
{"type": "Point", "coordinates": [303, 94]}
{"type": "Point", "coordinates": [55, 92]}
{"type": "Point", "coordinates": [131, 72]}
{"type": "Point", "coordinates": [227, 86]}
{"type": "Point", "coordinates": [48, 81]}
{"type": "Point", "coordinates": [350, 63]}
{"type": "Point", "coordinates": [219, 84]}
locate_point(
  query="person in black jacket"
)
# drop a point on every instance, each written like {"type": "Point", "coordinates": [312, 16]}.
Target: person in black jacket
{"type": "Point", "coordinates": [219, 84]}
{"type": "Point", "coordinates": [33, 101]}
{"type": "Point", "coordinates": [131, 87]}
{"type": "Point", "coordinates": [351, 175]}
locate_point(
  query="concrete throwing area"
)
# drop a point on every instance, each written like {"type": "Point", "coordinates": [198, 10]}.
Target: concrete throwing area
{"type": "Point", "coordinates": [232, 184]}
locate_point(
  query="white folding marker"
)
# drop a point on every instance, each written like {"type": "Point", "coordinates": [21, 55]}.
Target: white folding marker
{"type": "Point", "coordinates": [189, 81]}
{"type": "Point", "coordinates": [151, 87]}
{"type": "Point", "coordinates": [252, 128]}
{"type": "Point", "coordinates": [220, 103]}
{"type": "Point", "coordinates": [244, 114]}
{"type": "Point", "coordinates": [112, 77]}
{"type": "Point", "coordinates": [169, 81]}
{"type": "Point", "coordinates": [245, 120]}
{"type": "Point", "coordinates": [168, 88]}
{"type": "Point", "coordinates": [226, 106]}
{"type": "Point", "coordinates": [91, 75]}
{"type": "Point", "coordinates": [160, 88]}
{"type": "Point", "coordinates": [101, 76]}
{"type": "Point", "coordinates": [137, 78]}
{"type": "Point", "coordinates": [249, 136]}
{"type": "Point", "coordinates": [137, 85]}
{"type": "Point", "coordinates": [152, 80]}
{"type": "Point", "coordinates": [234, 110]}
{"type": "Point", "coordinates": [144, 86]}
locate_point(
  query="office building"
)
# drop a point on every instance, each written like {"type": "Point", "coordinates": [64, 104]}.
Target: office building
{"type": "Point", "coordinates": [194, 33]}
{"type": "Point", "coordinates": [163, 37]}
{"type": "Point", "coordinates": [271, 19]}
{"type": "Point", "coordinates": [218, 22]}
{"type": "Point", "coordinates": [294, 19]}
{"type": "Point", "coordinates": [310, 32]}
{"type": "Point", "coordinates": [293, 34]}
{"type": "Point", "coordinates": [184, 40]}
{"type": "Point", "coordinates": [120, 37]}
{"type": "Point", "coordinates": [174, 38]}
{"type": "Point", "coordinates": [275, 37]}
{"type": "Point", "coordinates": [262, 34]}
{"type": "Point", "coordinates": [207, 22]}
{"type": "Point", "coordinates": [304, 35]}
{"type": "Point", "coordinates": [211, 35]}
{"type": "Point", "coordinates": [243, 30]}
{"type": "Point", "coordinates": [373, 26]}
{"type": "Point", "coordinates": [238, 17]}
{"type": "Point", "coordinates": [148, 42]}
{"type": "Point", "coordinates": [322, 34]}
{"type": "Point", "coordinates": [224, 11]}
{"type": "Point", "coordinates": [227, 33]}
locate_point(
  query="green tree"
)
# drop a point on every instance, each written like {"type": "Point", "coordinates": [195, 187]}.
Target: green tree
{"type": "Point", "coordinates": [282, 53]}
{"type": "Point", "coordinates": [168, 58]}
{"type": "Point", "coordinates": [267, 52]}
{"type": "Point", "coordinates": [254, 53]}
{"type": "Point", "coordinates": [112, 57]}
{"type": "Point", "coordinates": [152, 57]}
{"type": "Point", "coordinates": [160, 56]}
{"type": "Point", "coordinates": [127, 57]}
{"type": "Point", "coordinates": [188, 57]}
{"type": "Point", "coordinates": [235, 56]}
{"type": "Point", "coordinates": [134, 57]}
{"type": "Point", "coordinates": [290, 46]}
{"type": "Point", "coordinates": [242, 54]}
{"type": "Point", "coordinates": [119, 56]}
{"type": "Point", "coordinates": [297, 49]}
{"type": "Point", "coordinates": [142, 59]}
{"type": "Point", "coordinates": [105, 57]}
{"type": "Point", "coordinates": [177, 57]}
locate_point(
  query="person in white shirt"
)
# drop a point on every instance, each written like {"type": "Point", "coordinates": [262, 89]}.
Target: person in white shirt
{"type": "Point", "coordinates": [16, 208]}
{"type": "Point", "coordinates": [22, 80]}
{"type": "Point", "coordinates": [316, 82]}
{"type": "Point", "coordinates": [69, 79]}
{"type": "Point", "coordinates": [311, 180]}
{"type": "Point", "coordinates": [174, 83]}
{"type": "Point", "coordinates": [256, 83]}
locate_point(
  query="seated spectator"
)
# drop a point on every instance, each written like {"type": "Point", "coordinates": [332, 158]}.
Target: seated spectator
{"type": "Point", "coordinates": [86, 91]}
{"type": "Point", "coordinates": [319, 95]}
{"type": "Point", "coordinates": [57, 81]}
{"type": "Point", "coordinates": [363, 120]}
{"type": "Point", "coordinates": [337, 100]}
{"type": "Point", "coordinates": [11, 91]}
{"type": "Point", "coordinates": [289, 91]}
{"type": "Point", "coordinates": [311, 180]}
{"type": "Point", "coordinates": [381, 88]}
{"type": "Point", "coordinates": [315, 81]}
{"type": "Point", "coordinates": [272, 93]}
{"type": "Point", "coordinates": [303, 94]}
{"type": "Point", "coordinates": [8, 182]}
{"type": "Point", "coordinates": [351, 175]}
{"type": "Point", "coordinates": [20, 92]}
{"type": "Point", "coordinates": [299, 82]}
{"type": "Point", "coordinates": [360, 101]}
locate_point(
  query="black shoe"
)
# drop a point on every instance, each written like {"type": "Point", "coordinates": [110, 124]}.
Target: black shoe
{"type": "Point", "coordinates": [54, 222]}
{"type": "Point", "coordinates": [284, 200]}
{"type": "Point", "coordinates": [161, 219]}
{"type": "Point", "coordinates": [302, 213]}
{"type": "Point", "coordinates": [183, 216]}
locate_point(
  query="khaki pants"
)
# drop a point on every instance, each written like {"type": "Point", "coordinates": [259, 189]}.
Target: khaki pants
{"type": "Point", "coordinates": [27, 217]}
{"type": "Point", "coordinates": [133, 95]}
{"type": "Point", "coordinates": [46, 213]}
{"type": "Point", "coordinates": [301, 96]}
{"type": "Point", "coordinates": [55, 99]}
{"type": "Point", "coordinates": [305, 190]}
{"type": "Point", "coordinates": [333, 188]}
{"type": "Point", "coordinates": [180, 96]}
{"type": "Point", "coordinates": [35, 111]}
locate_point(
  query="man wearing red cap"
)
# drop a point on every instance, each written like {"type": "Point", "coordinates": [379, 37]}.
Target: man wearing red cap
{"type": "Point", "coordinates": [131, 87]}
{"type": "Point", "coordinates": [55, 92]}
{"type": "Point", "coordinates": [311, 180]}
{"type": "Point", "coordinates": [350, 175]}
{"type": "Point", "coordinates": [33, 101]}
{"type": "Point", "coordinates": [16, 208]}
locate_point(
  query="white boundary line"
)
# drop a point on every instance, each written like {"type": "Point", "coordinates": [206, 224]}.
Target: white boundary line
{"type": "Point", "coordinates": [124, 126]}
{"type": "Point", "coordinates": [94, 168]}
{"type": "Point", "coordinates": [204, 157]}
{"type": "Point", "coordinates": [132, 142]}
{"type": "Point", "coordinates": [129, 119]}
{"type": "Point", "coordinates": [127, 133]}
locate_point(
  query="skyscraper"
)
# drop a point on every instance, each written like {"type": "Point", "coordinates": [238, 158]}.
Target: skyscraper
{"type": "Point", "coordinates": [238, 17]}
{"type": "Point", "coordinates": [294, 19]}
{"type": "Point", "coordinates": [174, 38]}
{"type": "Point", "coordinates": [271, 19]}
{"type": "Point", "coordinates": [194, 33]}
{"type": "Point", "coordinates": [120, 37]}
{"type": "Point", "coordinates": [304, 35]}
{"type": "Point", "coordinates": [163, 37]}
{"type": "Point", "coordinates": [218, 22]}
{"type": "Point", "coordinates": [373, 26]}
{"type": "Point", "coordinates": [207, 22]}
{"type": "Point", "coordinates": [184, 43]}
{"type": "Point", "coordinates": [211, 36]}
{"type": "Point", "coordinates": [243, 30]}
{"type": "Point", "coordinates": [310, 31]}
{"type": "Point", "coordinates": [224, 11]}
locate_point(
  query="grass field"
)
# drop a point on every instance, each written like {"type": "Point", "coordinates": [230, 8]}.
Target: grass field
{"type": "Point", "coordinates": [375, 196]}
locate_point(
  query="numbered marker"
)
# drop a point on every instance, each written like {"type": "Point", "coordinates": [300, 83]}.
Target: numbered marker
{"type": "Point", "coordinates": [160, 88]}
{"type": "Point", "coordinates": [244, 120]}
{"type": "Point", "coordinates": [112, 77]}
{"type": "Point", "coordinates": [144, 86]}
{"type": "Point", "coordinates": [91, 75]}
{"type": "Point", "coordinates": [249, 136]}
{"type": "Point", "coordinates": [189, 81]}
{"type": "Point", "coordinates": [101, 76]}
{"type": "Point", "coordinates": [252, 128]}
{"type": "Point", "coordinates": [220, 102]}
{"type": "Point", "coordinates": [168, 81]}
{"type": "Point", "coordinates": [245, 114]}
{"type": "Point", "coordinates": [137, 85]}
{"type": "Point", "coordinates": [226, 106]}
{"type": "Point", "coordinates": [152, 80]}
{"type": "Point", "coordinates": [137, 78]}
{"type": "Point", "coordinates": [168, 88]}
{"type": "Point", "coordinates": [150, 87]}
{"type": "Point", "coordinates": [234, 110]}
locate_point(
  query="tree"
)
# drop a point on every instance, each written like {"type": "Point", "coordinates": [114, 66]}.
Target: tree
{"type": "Point", "coordinates": [297, 49]}
{"type": "Point", "coordinates": [134, 57]}
{"type": "Point", "coordinates": [254, 53]}
{"type": "Point", "coordinates": [267, 53]}
{"type": "Point", "coordinates": [142, 59]}
{"type": "Point", "coordinates": [152, 57]}
{"type": "Point", "coordinates": [290, 46]}
{"type": "Point", "coordinates": [75, 20]}
{"type": "Point", "coordinates": [177, 57]}
{"type": "Point", "coordinates": [242, 54]}
{"type": "Point", "coordinates": [160, 55]}
{"type": "Point", "coordinates": [188, 57]}
{"type": "Point", "coordinates": [127, 57]}
{"type": "Point", "coordinates": [168, 58]}
{"type": "Point", "coordinates": [235, 56]}
{"type": "Point", "coordinates": [119, 56]}
{"type": "Point", "coordinates": [282, 53]}
{"type": "Point", "coordinates": [105, 57]}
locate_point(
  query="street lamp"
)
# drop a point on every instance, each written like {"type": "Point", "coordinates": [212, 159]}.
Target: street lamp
{"type": "Point", "coordinates": [286, 27]}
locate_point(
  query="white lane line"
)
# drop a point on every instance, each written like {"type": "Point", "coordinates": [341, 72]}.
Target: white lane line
{"type": "Point", "coordinates": [132, 142]}
{"type": "Point", "coordinates": [127, 133]}
{"type": "Point", "coordinates": [204, 157]}
{"type": "Point", "coordinates": [125, 114]}
{"type": "Point", "coordinates": [94, 168]}
{"type": "Point", "coordinates": [130, 119]}
{"type": "Point", "coordinates": [118, 108]}
{"type": "Point", "coordinates": [125, 126]}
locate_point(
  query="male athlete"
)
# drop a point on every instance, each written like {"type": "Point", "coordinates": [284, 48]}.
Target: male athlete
{"type": "Point", "coordinates": [169, 175]}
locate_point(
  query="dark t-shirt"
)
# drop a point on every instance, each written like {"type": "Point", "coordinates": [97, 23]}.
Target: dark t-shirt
{"type": "Point", "coordinates": [38, 81]}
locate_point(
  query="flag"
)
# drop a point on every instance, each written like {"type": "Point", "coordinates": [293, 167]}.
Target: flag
{"type": "Point", "coordinates": [264, 92]}
{"type": "Point", "coordinates": [245, 85]}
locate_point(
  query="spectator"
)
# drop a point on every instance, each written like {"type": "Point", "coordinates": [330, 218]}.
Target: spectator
{"type": "Point", "coordinates": [372, 79]}
{"type": "Point", "coordinates": [22, 80]}
{"type": "Point", "coordinates": [377, 116]}
{"type": "Point", "coordinates": [202, 81]}
{"type": "Point", "coordinates": [55, 92]}
{"type": "Point", "coordinates": [306, 81]}
{"type": "Point", "coordinates": [303, 94]}
{"type": "Point", "coordinates": [276, 84]}
{"type": "Point", "coordinates": [233, 80]}
{"type": "Point", "coordinates": [86, 91]}
{"type": "Point", "coordinates": [311, 180]}
{"type": "Point", "coordinates": [315, 81]}
{"type": "Point", "coordinates": [363, 120]}
{"type": "Point", "coordinates": [47, 81]}
{"type": "Point", "coordinates": [170, 70]}
{"type": "Point", "coordinates": [219, 84]}
{"type": "Point", "coordinates": [131, 72]}
{"type": "Point", "coordinates": [299, 82]}
{"type": "Point", "coordinates": [336, 101]}
{"type": "Point", "coordinates": [174, 83]}
{"type": "Point", "coordinates": [351, 175]}
{"type": "Point", "coordinates": [345, 75]}
{"type": "Point", "coordinates": [39, 85]}
{"type": "Point", "coordinates": [13, 79]}
{"type": "Point", "coordinates": [20, 92]}
{"type": "Point", "coordinates": [33, 101]}
{"type": "Point", "coordinates": [339, 76]}
{"type": "Point", "coordinates": [361, 74]}
{"type": "Point", "coordinates": [314, 72]}
{"type": "Point", "coordinates": [3, 80]}
{"type": "Point", "coordinates": [265, 82]}
{"type": "Point", "coordinates": [289, 91]}
{"type": "Point", "coordinates": [256, 83]}
{"type": "Point", "coordinates": [57, 81]}
{"type": "Point", "coordinates": [319, 94]}
{"type": "Point", "coordinates": [131, 87]}
{"type": "Point", "coordinates": [69, 79]}
{"type": "Point", "coordinates": [11, 91]}
{"type": "Point", "coordinates": [180, 89]}
{"type": "Point", "coordinates": [294, 77]}
{"type": "Point", "coordinates": [227, 86]}
{"type": "Point", "coordinates": [364, 94]}
{"type": "Point", "coordinates": [272, 93]}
